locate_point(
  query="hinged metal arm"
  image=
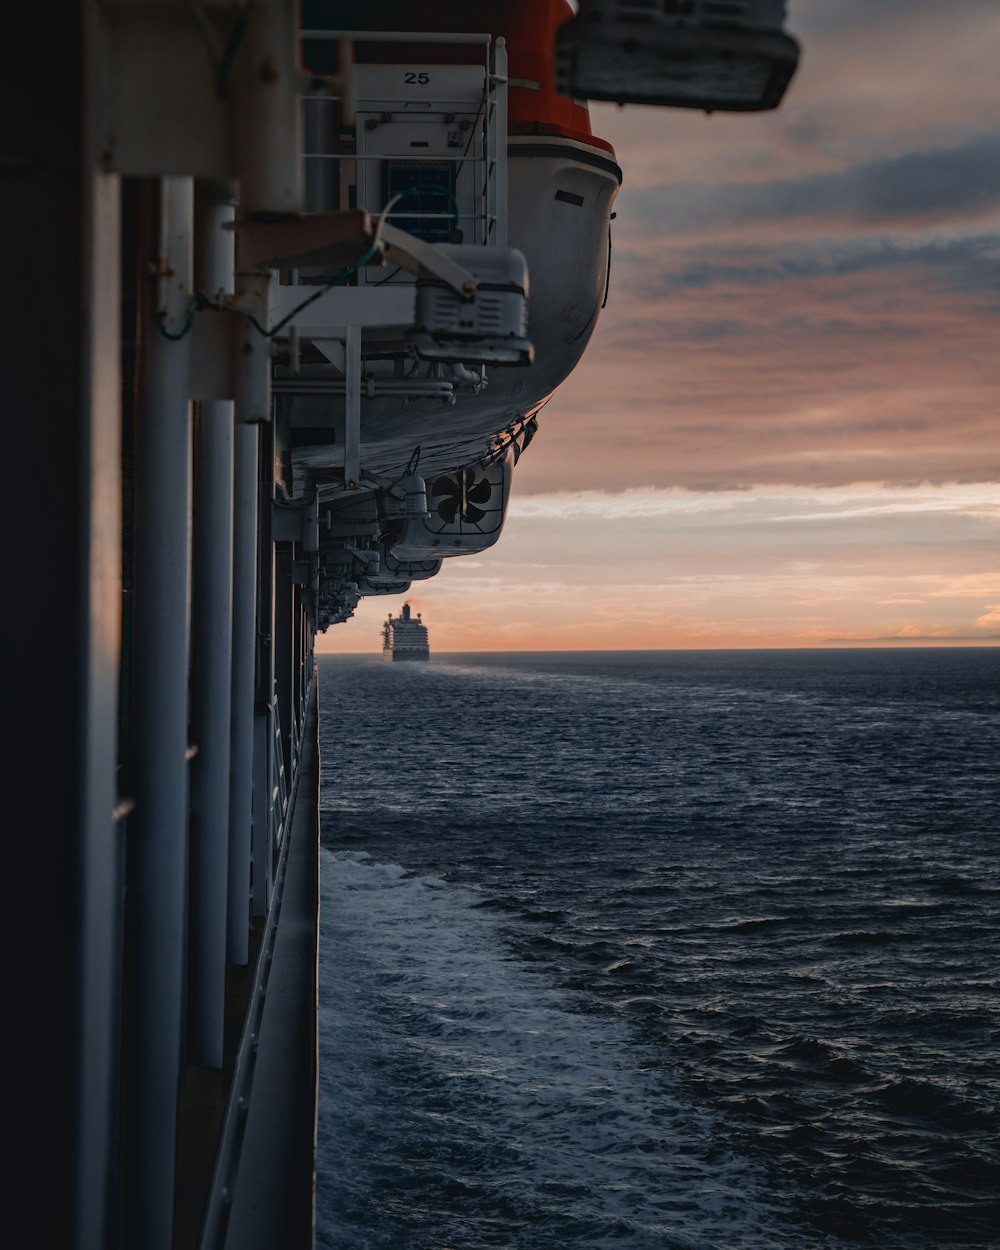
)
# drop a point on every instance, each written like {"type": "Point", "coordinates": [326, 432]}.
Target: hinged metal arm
{"type": "Point", "coordinates": [416, 256]}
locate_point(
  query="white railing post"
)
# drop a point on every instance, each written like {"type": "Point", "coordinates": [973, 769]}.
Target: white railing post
{"type": "Point", "coordinates": [352, 406]}
{"type": "Point", "coordinates": [211, 664]}
{"type": "Point", "coordinates": [98, 636]}
{"type": "Point", "coordinates": [160, 726]}
{"type": "Point", "coordinates": [242, 723]}
{"type": "Point", "coordinates": [263, 764]}
{"type": "Point", "coordinates": [496, 155]}
{"type": "Point", "coordinates": [263, 756]}
{"type": "Point", "coordinates": [279, 791]}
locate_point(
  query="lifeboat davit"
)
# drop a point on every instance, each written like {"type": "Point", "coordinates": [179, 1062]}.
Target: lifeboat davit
{"type": "Point", "coordinates": [415, 119]}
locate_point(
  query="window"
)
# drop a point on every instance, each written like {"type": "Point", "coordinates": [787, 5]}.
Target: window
{"type": "Point", "coordinates": [425, 211]}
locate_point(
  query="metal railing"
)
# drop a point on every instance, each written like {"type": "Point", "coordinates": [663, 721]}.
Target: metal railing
{"type": "Point", "coordinates": [279, 790]}
{"type": "Point", "coordinates": [488, 136]}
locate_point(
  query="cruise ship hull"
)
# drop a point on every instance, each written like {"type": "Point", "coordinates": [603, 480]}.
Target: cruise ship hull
{"type": "Point", "coordinates": [213, 482]}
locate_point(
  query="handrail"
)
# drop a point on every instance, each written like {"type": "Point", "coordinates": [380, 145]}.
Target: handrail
{"type": "Point", "coordinates": [396, 36]}
{"type": "Point", "coordinates": [238, 1097]}
{"type": "Point", "coordinates": [279, 794]}
{"type": "Point", "coordinates": [438, 159]}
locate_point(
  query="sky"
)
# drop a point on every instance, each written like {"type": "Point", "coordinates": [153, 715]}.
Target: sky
{"type": "Point", "coordinates": [786, 429]}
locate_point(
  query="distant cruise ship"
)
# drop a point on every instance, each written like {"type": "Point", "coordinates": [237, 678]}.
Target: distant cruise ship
{"type": "Point", "coordinates": [404, 638]}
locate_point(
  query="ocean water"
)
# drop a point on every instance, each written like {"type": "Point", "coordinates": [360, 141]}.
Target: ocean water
{"type": "Point", "coordinates": [655, 950]}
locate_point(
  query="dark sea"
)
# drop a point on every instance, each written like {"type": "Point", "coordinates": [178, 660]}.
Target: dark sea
{"type": "Point", "coordinates": [652, 950]}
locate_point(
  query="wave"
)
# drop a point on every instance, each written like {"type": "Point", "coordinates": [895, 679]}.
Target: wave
{"type": "Point", "coordinates": [465, 1102]}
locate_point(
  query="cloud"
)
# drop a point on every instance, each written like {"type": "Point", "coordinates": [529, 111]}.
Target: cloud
{"type": "Point", "coordinates": [910, 635]}
{"type": "Point", "coordinates": [847, 14]}
{"type": "Point", "coordinates": [953, 184]}
{"type": "Point", "coordinates": [990, 617]}
{"type": "Point", "coordinates": [677, 568]}
{"type": "Point", "coordinates": [776, 505]}
{"type": "Point", "coordinates": [636, 503]}
{"type": "Point", "coordinates": [807, 296]}
{"type": "Point", "coordinates": [825, 361]}
{"type": "Point", "coordinates": [966, 265]}
{"type": "Point", "coordinates": [928, 504]}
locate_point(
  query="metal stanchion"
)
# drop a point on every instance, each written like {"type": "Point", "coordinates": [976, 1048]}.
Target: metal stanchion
{"type": "Point", "coordinates": [160, 726]}
{"type": "Point", "coordinates": [242, 724]}
{"type": "Point", "coordinates": [211, 664]}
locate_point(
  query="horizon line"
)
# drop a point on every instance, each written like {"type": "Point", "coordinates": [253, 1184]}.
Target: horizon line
{"type": "Point", "coordinates": [834, 644]}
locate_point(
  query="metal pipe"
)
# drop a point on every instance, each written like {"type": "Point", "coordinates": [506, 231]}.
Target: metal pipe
{"type": "Point", "coordinates": [98, 638]}
{"type": "Point", "coordinates": [421, 388]}
{"type": "Point", "coordinates": [159, 720]}
{"type": "Point", "coordinates": [263, 804]}
{"type": "Point", "coordinates": [497, 127]}
{"type": "Point", "coordinates": [211, 666]}
{"type": "Point", "coordinates": [394, 36]}
{"type": "Point", "coordinates": [352, 407]}
{"type": "Point", "coordinates": [264, 763]}
{"type": "Point", "coordinates": [438, 160]}
{"type": "Point", "coordinates": [284, 601]}
{"type": "Point", "coordinates": [322, 176]}
{"type": "Point", "coordinates": [267, 117]}
{"type": "Point", "coordinates": [241, 725]}
{"type": "Point", "coordinates": [252, 365]}
{"type": "Point", "coordinates": [211, 680]}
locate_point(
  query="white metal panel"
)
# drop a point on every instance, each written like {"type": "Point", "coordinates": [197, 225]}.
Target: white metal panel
{"type": "Point", "coordinates": [342, 306]}
{"type": "Point", "coordinates": [160, 728]}
{"type": "Point", "coordinates": [161, 114]}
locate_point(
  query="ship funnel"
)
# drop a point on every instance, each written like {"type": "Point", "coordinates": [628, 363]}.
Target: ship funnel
{"type": "Point", "coordinates": [700, 54]}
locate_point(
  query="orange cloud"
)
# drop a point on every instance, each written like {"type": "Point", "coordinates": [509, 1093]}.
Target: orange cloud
{"type": "Point", "coordinates": [991, 617]}
{"type": "Point", "coordinates": [681, 569]}
{"type": "Point", "coordinates": [807, 296]}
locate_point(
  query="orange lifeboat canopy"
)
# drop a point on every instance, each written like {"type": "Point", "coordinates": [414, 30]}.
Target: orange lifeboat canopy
{"type": "Point", "coordinates": [534, 106]}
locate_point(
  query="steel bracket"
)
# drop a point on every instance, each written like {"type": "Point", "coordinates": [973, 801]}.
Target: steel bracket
{"type": "Point", "coordinates": [337, 239]}
{"type": "Point", "coordinates": [297, 522]}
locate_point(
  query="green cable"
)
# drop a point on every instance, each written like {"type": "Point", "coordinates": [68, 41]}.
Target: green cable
{"type": "Point", "coordinates": [185, 329]}
{"type": "Point", "coordinates": [341, 277]}
{"type": "Point", "coordinates": [426, 186]}
{"type": "Point", "coordinates": [202, 301]}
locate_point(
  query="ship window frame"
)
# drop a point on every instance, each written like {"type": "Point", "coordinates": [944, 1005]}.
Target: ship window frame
{"type": "Point", "coordinates": [426, 228]}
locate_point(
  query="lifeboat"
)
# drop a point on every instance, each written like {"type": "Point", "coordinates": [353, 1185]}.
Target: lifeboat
{"type": "Point", "coordinates": [457, 136]}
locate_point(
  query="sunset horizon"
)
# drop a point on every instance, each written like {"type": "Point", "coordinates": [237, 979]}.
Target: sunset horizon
{"type": "Point", "coordinates": [851, 644]}
{"type": "Point", "coordinates": [785, 427]}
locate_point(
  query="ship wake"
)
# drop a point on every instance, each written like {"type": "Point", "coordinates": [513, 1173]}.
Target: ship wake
{"type": "Point", "coordinates": [467, 1102]}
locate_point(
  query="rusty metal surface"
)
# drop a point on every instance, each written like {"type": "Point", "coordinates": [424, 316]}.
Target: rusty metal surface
{"type": "Point", "coordinates": [336, 239]}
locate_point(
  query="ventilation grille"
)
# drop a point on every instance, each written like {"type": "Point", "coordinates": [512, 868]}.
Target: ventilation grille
{"type": "Point", "coordinates": [490, 313]}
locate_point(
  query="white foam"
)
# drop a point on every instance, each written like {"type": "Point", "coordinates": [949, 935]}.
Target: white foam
{"type": "Point", "coordinates": [432, 1034]}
